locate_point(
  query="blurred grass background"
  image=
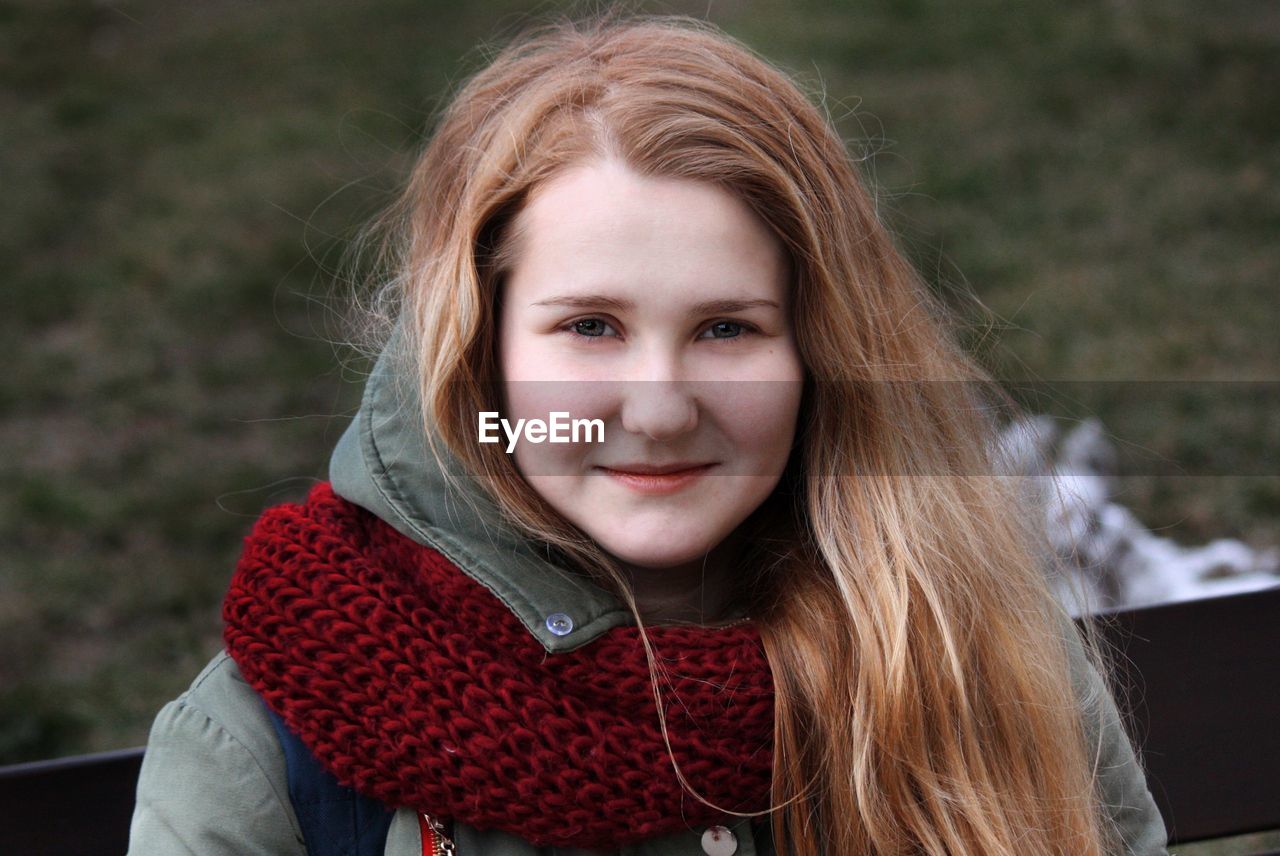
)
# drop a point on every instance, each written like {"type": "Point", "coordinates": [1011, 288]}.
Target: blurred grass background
{"type": "Point", "coordinates": [180, 178]}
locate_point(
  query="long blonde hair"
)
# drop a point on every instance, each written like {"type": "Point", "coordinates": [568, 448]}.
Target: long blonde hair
{"type": "Point", "coordinates": [924, 697]}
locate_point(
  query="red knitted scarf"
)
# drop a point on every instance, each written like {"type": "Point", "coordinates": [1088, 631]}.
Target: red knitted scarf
{"type": "Point", "coordinates": [415, 685]}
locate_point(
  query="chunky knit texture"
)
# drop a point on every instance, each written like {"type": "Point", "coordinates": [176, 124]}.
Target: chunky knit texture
{"type": "Point", "coordinates": [415, 685]}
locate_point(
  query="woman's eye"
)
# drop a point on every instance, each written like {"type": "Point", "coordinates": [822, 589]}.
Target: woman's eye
{"type": "Point", "coordinates": [726, 330]}
{"type": "Point", "coordinates": [592, 328]}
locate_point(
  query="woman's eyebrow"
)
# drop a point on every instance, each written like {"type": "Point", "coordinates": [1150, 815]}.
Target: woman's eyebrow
{"type": "Point", "coordinates": [587, 301]}
{"type": "Point", "coordinates": [604, 301]}
{"type": "Point", "coordinates": [716, 307]}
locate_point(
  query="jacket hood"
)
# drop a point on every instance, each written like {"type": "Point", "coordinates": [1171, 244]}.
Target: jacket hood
{"type": "Point", "coordinates": [383, 464]}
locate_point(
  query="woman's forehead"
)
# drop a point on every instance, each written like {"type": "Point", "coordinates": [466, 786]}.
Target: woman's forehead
{"type": "Point", "coordinates": [602, 225]}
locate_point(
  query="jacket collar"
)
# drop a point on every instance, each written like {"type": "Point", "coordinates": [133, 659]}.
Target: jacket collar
{"type": "Point", "coordinates": [382, 464]}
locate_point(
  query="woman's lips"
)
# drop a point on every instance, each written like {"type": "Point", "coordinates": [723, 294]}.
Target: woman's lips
{"type": "Point", "coordinates": [656, 484]}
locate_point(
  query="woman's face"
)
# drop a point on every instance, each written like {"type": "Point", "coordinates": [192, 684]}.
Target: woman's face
{"type": "Point", "coordinates": [658, 306]}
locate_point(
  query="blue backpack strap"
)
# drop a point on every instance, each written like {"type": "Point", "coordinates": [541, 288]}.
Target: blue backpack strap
{"type": "Point", "coordinates": [335, 820]}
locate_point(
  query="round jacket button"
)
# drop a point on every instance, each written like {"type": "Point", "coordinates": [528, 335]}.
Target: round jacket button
{"type": "Point", "coordinates": [559, 624]}
{"type": "Point", "coordinates": [719, 841]}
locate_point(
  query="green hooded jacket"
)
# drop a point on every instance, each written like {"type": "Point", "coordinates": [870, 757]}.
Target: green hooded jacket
{"type": "Point", "coordinates": [213, 778]}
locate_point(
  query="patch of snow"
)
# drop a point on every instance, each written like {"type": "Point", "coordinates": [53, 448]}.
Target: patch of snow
{"type": "Point", "coordinates": [1112, 559]}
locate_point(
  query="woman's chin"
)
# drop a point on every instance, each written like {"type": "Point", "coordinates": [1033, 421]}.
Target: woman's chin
{"type": "Point", "coordinates": [660, 538]}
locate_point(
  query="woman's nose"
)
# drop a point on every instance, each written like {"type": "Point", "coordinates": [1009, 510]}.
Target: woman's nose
{"type": "Point", "coordinates": [661, 405]}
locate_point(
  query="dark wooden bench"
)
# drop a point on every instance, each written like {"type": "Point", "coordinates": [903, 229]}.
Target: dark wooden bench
{"type": "Point", "coordinates": [1204, 697]}
{"type": "Point", "coordinates": [78, 805]}
{"type": "Point", "coordinates": [1205, 702]}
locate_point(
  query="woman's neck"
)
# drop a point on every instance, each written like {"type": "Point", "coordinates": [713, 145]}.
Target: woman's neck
{"type": "Point", "coordinates": [697, 592]}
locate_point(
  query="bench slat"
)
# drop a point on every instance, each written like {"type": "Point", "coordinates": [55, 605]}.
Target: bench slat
{"type": "Point", "coordinates": [1205, 702]}
{"type": "Point", "coordinates": [75, 805]}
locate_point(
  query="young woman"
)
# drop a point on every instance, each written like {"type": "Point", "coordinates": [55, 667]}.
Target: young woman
{"type": "Point", "coordinates": [770, 593]}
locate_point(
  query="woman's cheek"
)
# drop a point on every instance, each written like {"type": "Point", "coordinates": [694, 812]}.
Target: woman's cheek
{"type": "Point", "coordinates": [759, 417]}
{"type": "Point", "coordinates": [572, 420]}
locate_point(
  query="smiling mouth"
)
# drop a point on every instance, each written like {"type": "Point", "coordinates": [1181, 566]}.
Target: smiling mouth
{"type": "Point", "coordinates": [657, 480]}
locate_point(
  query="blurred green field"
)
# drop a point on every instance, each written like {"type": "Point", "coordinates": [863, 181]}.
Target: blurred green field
{"type": "Point", "coordinates": [180, 179]}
